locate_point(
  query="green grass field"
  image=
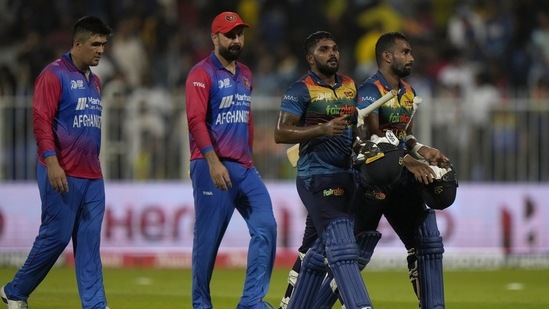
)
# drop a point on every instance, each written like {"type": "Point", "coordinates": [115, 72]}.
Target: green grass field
{"type": "Point", "coordinates": [170, 288]}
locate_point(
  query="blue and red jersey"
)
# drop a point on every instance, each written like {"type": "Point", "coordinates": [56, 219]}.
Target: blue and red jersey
{"type": "Point", "coordinates": [219, 111]}
{"type": "Point", "coordinates": [396, 113]}
{"type": "Point", "coordinates": [315, 102]}
{"type": "Point", "coordinates": [67, 118]}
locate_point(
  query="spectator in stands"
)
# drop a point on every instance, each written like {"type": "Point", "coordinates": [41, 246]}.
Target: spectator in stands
{"type": "Point", "coordinates": [149, 112]}
{"type": "Point", "coordinates": [129, 52]}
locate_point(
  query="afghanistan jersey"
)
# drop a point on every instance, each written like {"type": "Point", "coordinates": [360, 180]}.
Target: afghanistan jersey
{"type": "Point", "coordinates": [396, 113]}
{"type": "Point", "coordinates": [315, 103]}
{"type": "Point", "coordinates": [219, 111]}
{"type": "Point", "coordinates": [67, 118]}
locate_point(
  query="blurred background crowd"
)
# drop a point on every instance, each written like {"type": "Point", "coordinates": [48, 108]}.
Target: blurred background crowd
{"type": "Point", "coordinates": [481, 66]}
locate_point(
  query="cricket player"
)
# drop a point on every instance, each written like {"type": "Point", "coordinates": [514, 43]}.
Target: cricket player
{"type": "Point", "coordinates": [401, 202]}
{"type": "Point", "coordinates": [67, 113]}
{"type": "Point", "coordinates": [218, 101]}
{"type": "Point", "coordinates": [316, 113]}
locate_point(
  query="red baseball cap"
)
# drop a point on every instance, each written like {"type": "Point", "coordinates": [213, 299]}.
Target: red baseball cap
{"type": "Point", "coordinates": [227, 21]}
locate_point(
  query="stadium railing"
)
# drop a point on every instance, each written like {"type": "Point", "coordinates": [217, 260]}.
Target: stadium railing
{"type": "Point", "coordinates": [140, 144]}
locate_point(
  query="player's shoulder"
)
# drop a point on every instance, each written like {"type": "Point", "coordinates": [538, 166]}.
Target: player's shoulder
{"type": "Point", "coordinates": [54, 71]}
{"type": "Point", "coordinates": [244, 68]}
{"type": "Point", "coordinates": [408, 87]}
{"type": "Point", "coordinates": [302, 82]}
{"type": "Point", "coordinates": [297, 91]}
{"type": "Point", "coordinates": [245, 72]}
{"type": "Point", "coordinates": [371, 84]}
{"type": "Point", "coordinates": [201, 66]}
{"type": "Point", "coordinates": [346, 78]}
{"type": "Point", "coordinates": [201, 71]}
{"type": "Point", "coordinates": [56, 67]}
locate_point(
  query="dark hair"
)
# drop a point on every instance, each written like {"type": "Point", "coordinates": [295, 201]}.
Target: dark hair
{"type": "Point", "coordinates": [89, 25]}
{"type": "Point", "coordinates": [386, 42]}
{"type": "Point", "coordinates": [315, 37]}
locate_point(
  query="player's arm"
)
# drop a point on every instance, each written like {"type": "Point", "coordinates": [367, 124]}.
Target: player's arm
{"type": "Point", "coordinates": [218, 171]}
{"type": "Point", "coordinates": [371, 123]}
{"type": "Point", "coordinates": [368, 93]}
{"type": "Point", "coordinates": [47, 91]}
{"type": "Point", "coordinates": [422, 172]}
{"type": "Point", "coordinates": [197, 94]}
{"type": "Point", "coordinates": [289, 129]}
{"type": "Point", "coordinates": [418, 151]}
{"type": "Point", "coordinates": [423, 152]}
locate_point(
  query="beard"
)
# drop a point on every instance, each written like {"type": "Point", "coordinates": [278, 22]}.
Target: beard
{"type": "Point", "coordinates": [230, 54]}
{"type": "Point", "coordinates": [327, 69]}
{"type": "Point", "coordinates": [401, 70]}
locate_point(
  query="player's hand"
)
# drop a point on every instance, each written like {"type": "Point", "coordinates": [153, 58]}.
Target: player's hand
{"type": "Point", "coordinates": [434, 157]}
{"type": "Point", "coordinates": [220, 176]}
{"type": "Point", "coordinates": [422, 172]}
{"type": "Point", "coordinates": [336, 126]}
{"type": "Point", "coordinates": [56, 175]}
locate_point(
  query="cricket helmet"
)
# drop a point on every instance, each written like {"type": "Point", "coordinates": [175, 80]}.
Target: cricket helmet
{"type": "Point", "coordinates": [441, 193]}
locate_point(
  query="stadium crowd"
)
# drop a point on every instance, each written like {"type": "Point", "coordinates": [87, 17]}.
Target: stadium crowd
{"type": "Point", "coordinates": [489, 49]}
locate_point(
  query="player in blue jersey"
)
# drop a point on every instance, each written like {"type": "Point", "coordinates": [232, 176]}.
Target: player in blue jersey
{"type": "Point", "coordinates": [218, 101]}
{"type": "Point", "coordinates": [316, 113]}
{"type": "Point", "coordinates": [67, 125]}
{"type": "Point", "coordinates": [401, 202]}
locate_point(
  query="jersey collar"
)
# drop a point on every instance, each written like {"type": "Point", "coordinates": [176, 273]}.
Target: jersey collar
{"type": "Point", "coordinates": [385, 83]}
{"type": "Point", "coordinates": [319, 81]}
{"type": "Point", "coordinates": [67, 57]}
{"type": "Point", "coordinates": [217, 64]}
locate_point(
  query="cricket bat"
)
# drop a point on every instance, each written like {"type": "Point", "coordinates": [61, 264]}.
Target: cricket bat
{"type": "Point", "coordinates": [293, 154]}
{"type": "Point", "coordinates": [362, 113]}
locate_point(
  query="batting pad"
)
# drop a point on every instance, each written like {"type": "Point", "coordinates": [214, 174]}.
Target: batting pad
{"type": "Point", "coordinates": [313, 270]}
{"type": "Point", "coordinates": [329, 294]}
{"type": "Point", "coordinates": [367, 242]}
{"type": "Point", "coordinates": [342, 253]}
{"type": "Point", "coordinates": [429, 250]}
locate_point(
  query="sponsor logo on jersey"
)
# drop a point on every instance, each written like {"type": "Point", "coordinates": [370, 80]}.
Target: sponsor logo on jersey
{"type": "Point", "coordinates": [226, 102]}
{"type": "Point", "coordinates": [77, 84]}
{"type": "Point", "coordinates": [237, 99]}
{"type": "Point", "coordinates": [81, 105]}
{"type": "Point", "coordinates": [367, 99]}
{"type": "Point", "coordinates": [334, 110]}
{"type": "Point", "coordinates": [375, 194]}
{"type": "Point", "coordinates": [242, 99]}
{"type": "Point", "coordinates": [408, 103]}
{"type": "Point", "coordinates": [88, 102]}
{"type": "Point", "coordinates": [334, 192]}
{"type": "Point", "coordinates": [396, 117]}
{"type": "Point", "coordinates": [199, 84]}
{"type": "Point", "coordinates": [323, 96]}
{"type": "Point", "coordinates": [225, 83]}
{"type": "Point", "coordinates": [290, 98]}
